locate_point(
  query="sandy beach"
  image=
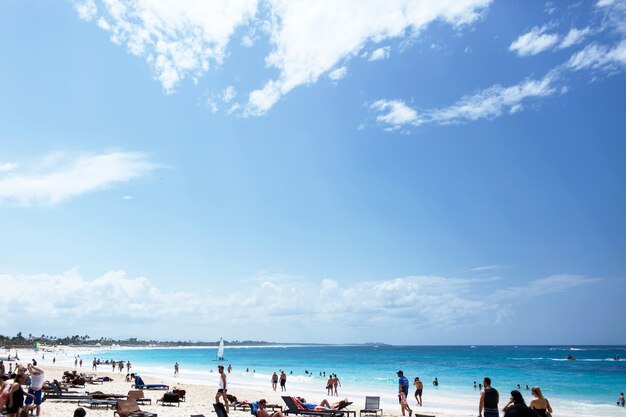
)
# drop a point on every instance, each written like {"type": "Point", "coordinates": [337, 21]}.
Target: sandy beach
{"type": "Point", "coordinates": [199, 394]}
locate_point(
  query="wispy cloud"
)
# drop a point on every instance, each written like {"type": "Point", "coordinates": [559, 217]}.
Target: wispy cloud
{"type": "Point", "coordinates": [301, 55]}
{"type": "Point", "coordinates": [380, 53]}
{"type": "Point", "coordinates": [534, 42]}
{"type": "Point", "coordinates": [338, 74]}
{"type": "Point", "coordinates": [7, 166]}
{"type": "Point", "coordinates": [183, 39]}
{"type": "Point", "coordinates": [574, 37]}
{"type": "Point", "coordinates": [486, 104]}
{"type": "Point", "coordinates": [496, 267]}
{"type": "Point", "coordinates": [599, 57]}
{"type": "Point", "coordinates": [60, 176]}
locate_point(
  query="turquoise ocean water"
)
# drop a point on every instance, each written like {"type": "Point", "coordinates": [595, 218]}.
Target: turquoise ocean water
{"type": "Point", "coordinates": [594, 379]}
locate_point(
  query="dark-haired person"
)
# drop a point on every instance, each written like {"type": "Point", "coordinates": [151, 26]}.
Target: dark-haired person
{"type": "Point", "coordinates": [80, 412]}
{"type": "Point", "coordinates": [620, 400]}
{"type": "Point", "coordinates": [540, 404]}
{"type": "Point", "coordinates": [403, 392]}
{"type": "Point", "coordinates": [15, 402]}
{"type": "Point", "coordinates": [262, 411]}
{"type": "Point", "coordinates": [489, 399]}
{"type": "Point", "coordinates": [222, 388]}
{"type": "Point", "coordinates": [37, 379]}
{"type": "Point", "coordinates": [517, 406]}
{"type": "Point", "coordinates": [419, 387]}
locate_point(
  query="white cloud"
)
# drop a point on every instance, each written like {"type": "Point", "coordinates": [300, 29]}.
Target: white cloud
{"type": "Point", "coordinates": [228, 94]}
{"type": "Point", "coordinates": [534, 42]}
{"type": "Point", "coordinates": [86, 9]}
{"type": "Point", "coordinates": [413, 302]}
{"type": "Point", "coordinates": [59, 177]}
{"type": "Point", "coordinates": [486, 104]}
{"type": "Point", "coordinates": [310, 38]}
{"type": "Point", "coordinates": [395, 113]}
{"type": "Point", "coordinates": [338, 74]}
{"type": "Point", "coordinates": [7, 166]}
{"type": "Point", "coordinates": [574, 37]}
{"type": "Point", "coordinates": [380, 53]}
{"type": "Point", "coordinates": [599, 57]}
{"type": "Point", "coordinates": [553, 284]}
{"type": "Point", "coordinates": [179, 39]}
{"type": "Point", "coordinates": [183, 39]}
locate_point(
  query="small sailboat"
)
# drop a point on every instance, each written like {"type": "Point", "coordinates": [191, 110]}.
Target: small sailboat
{"type": "Point", "coordinates": [220, 350]}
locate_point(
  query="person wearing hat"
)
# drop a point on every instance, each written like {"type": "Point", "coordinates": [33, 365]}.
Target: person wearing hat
{"type": "Point", "coordinates": [403, 392]}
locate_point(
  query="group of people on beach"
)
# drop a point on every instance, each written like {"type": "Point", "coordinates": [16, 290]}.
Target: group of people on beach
{"type": "Point", "coordinates": [12, 394]}
{"type": "Point", "coordinates": [282, 379]}
{"type": "Point", "coordinates": [332, 384]}
{"type": "Point", "coordinates": [516, 406]}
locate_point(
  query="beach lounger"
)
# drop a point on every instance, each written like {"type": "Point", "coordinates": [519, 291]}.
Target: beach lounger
{"type": "Point", "coordinates": [245, 406]}
{"type": "Point", "coordinates": [220, 410]}
{"type": "Point", "coordinates": [138, 396]}
{"type": "Point", "coordinates": [57, 394]}
{"type": "Point", "coordinates": [129, 408]}
{"type": "Point", "coordinates": [372, 407]}
{"type": "Point", "coordinates": [293, 408]}
{"type": "Point", "coordinates": [98, 403]}
{"type": "Point", "coordinates": [139, 384]}
{"type": "Point", "coordinates": [170, 399]}
{"type": "Point", "coordinates": [181, 393]}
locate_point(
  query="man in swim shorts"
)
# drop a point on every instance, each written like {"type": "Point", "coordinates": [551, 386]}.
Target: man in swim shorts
{"type": "Point", "coordinates": [419, 387]}
{"type": "Point", "coordinates": [283, 381]}
{"type": "Point", "coordinates": [36, 383]}
{"type": "Point", "coordinates": [222, 388]}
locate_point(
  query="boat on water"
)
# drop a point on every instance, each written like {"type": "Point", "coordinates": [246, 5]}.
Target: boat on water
{"type": "Point", "coordinates": [220, 350]}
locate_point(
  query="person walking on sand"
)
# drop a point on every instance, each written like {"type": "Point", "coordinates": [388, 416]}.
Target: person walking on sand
{"type": "Point", "coordinates": [176, 369]}
{"type": "Point", "coordinates": [222, 388]}
{"type": "Point", "coordinates": [121, 366]}
{"type": "Point", "coordinates": [80, 362]}
{"type": "Point", "coordinates": [94, 364]}
{"type": "Point", "coordinates": [128, 366]}
{"type": "Point", "coordinates": [329, 385]}
{"type": "Point", "coordinates": [230, 368]}
{"type": "Point", "coordinates": [489, 399]}
{"type": "Point", "coordinates": [419, 387]}
{"type": "Point", "coordinates": [283, 381]}
{"type": "Point", "coordinates": [336, 383]}
{"type": "Point", "coordinates": [403, 391]}
{"type": "Point", "coordinates": [274, 381]}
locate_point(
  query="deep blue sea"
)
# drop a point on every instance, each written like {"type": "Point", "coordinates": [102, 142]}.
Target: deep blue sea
{"type": "Point", "coordinates": [594, 378]}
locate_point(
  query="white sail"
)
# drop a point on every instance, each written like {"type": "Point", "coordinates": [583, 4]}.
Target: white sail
{"type": "Point", "coordinates": [220, 350]}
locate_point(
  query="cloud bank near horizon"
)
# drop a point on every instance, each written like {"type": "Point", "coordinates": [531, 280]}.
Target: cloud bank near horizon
{"type": "Point", "coordinates": [116, 303]}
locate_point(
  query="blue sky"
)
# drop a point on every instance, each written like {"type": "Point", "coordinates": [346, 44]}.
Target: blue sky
{"type": "Point", "coordinates": [389, 171]}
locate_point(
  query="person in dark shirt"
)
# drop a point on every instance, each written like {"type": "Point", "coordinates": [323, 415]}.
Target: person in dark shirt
{"type": "Point", "coordinates": [517, 406]}
{"type": "Point", "coordinates": [489, 399]}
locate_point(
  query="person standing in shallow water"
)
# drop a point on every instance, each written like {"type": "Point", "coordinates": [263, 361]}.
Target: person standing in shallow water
{"type": "Point", "coordinates": [283, 381]}
{"type": "Point", "coordinates": [540, 404]}
{"type": "Point", "coordinates": [176, 369]}
{"type": "Point", "coordinates": [403, 391]}
{"type": "Point", "coordinates": [489, 399]}
{"type": "Point", "coordinates": [419, 387]}
{"type": "Point", "coordinates": [274, 381]}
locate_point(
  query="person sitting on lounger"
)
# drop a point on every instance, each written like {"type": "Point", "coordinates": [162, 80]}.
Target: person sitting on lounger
{"type": "Point", "coordinates": [262, 411]}
{"type": "Point", "coordinates": [324, 404]}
